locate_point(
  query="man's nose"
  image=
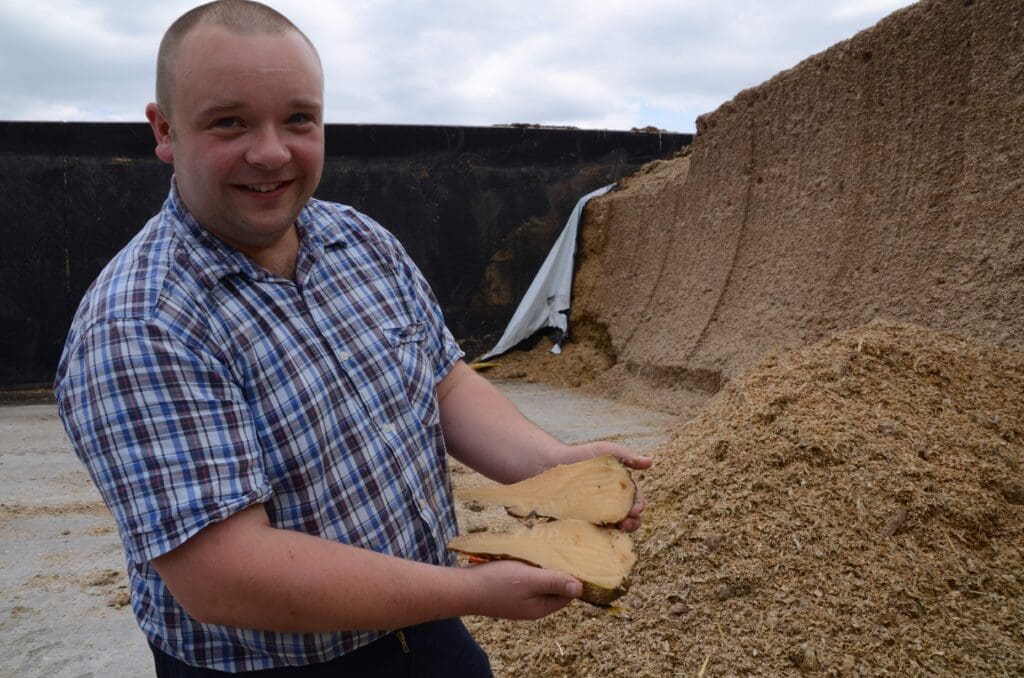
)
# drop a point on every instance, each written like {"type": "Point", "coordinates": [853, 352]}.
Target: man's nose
{"type": "Point", "coordinates": [268, 150]}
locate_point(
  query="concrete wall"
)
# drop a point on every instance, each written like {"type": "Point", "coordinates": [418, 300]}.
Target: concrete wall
{"type": "Point", "coordinates": [477, 208]}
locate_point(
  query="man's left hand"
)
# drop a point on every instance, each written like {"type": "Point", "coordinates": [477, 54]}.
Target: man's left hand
{"type": "Point", "coordinates": [630, 459]}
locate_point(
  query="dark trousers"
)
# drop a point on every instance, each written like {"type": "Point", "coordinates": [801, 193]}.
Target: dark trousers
{"type": "Point", "coordinates": [441, 648]}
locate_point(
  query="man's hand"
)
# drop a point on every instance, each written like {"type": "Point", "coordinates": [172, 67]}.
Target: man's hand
{"type": "Point", "coordinates": [512, 590]}
{"type": "Point", "coordinates": [485, 431]}
{"type": "Point", "coordinates": [629, 458]}
{"type": "Point", "coordinates": [261, 577]}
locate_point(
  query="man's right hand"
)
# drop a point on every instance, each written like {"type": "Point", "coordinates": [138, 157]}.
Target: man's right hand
{"type": "Point", "coordinates": [261, 577]}
{"type": "Point", "coordinates": [513, 590]}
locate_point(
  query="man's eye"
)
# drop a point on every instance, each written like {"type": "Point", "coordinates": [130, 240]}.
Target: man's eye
{"type": "Point", "coordinates": [226, 122]}
{"type": "Point", "coordinates": [299, 118]}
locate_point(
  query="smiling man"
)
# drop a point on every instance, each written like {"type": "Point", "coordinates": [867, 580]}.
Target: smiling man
{"type": "Point", "coordinates": [248, 143]}
{"type": "Point", "coordinates": [263, 389]}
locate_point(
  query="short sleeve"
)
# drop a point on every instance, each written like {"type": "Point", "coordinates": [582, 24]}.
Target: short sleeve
{"type": "Point", "coordinates": [164, 431]}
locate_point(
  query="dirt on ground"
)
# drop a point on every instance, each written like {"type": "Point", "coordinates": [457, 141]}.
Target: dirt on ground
{"type": "Point", "coordinates": [852, 508]}
{"type": "Point", "coordinates": [826, 290]}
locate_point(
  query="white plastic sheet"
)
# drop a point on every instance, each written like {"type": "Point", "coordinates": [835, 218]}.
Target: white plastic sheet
{"type": "Point", "coordinates": [546, 302]}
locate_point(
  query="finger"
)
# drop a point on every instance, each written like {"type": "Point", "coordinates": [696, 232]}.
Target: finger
{"type": "Point", "coordinates": [562, 586]}
{"type": "Point", "coordinates": [637, 462]}
{"type": "Point", "coordinates": [630, 524]}
{"type": "Point", "coordinates": [627, 456]}
{"type": "Point", "coordinates": [570, 589]}
{"type": "Point", "coordinates": [638, 503]}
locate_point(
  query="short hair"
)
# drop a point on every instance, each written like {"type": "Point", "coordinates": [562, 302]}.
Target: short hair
{"type": "Point", "coordinates": [238, 16]}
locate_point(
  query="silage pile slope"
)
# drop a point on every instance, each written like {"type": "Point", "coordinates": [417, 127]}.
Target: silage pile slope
{"type": "Point", "coordinates": [882, 178]}
{"type": "Point", "coordinates": [855, 508]}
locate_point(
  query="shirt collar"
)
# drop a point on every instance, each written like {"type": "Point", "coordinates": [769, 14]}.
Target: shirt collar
{"type": "Point", "coordinates": [322, 231]}
{"type": "Point", "coordinates": [215, 259]}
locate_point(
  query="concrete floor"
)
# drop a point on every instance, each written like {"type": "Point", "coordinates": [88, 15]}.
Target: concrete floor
{"type": "Point", "coordinates": [63, 594]}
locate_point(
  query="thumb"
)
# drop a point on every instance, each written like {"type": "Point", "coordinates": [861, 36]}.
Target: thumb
{"type": "Point", "coordinates": [567, 587]}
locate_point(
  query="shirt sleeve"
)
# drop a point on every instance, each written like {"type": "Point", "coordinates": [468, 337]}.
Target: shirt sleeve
{"type": "Point", "coordinates": [164, 431]}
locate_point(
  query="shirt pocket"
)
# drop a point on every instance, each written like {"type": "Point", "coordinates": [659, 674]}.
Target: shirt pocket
{"type": "Point", "coordinates": [407, 344]}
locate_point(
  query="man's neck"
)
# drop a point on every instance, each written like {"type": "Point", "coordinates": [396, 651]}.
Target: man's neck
{"type": "Point", "coordinates": [279, 258]}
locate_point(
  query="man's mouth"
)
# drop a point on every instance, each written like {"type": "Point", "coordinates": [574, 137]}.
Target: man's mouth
{"type": "Point", "coordinates": [265, 188]}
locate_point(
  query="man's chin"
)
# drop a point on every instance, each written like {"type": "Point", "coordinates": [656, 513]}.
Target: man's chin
{"type": "Point", "coordinates": [267, 223]}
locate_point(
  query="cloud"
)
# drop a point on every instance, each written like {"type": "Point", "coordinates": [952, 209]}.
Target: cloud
{"type": "Point", "coordinates": [565, 62]}
{"type": "Point", "coordinates": [858, 8]}
{"type": "Point", "coordinates": [71, 60]}
{"type": "Point", "coordinates": [586, 64]}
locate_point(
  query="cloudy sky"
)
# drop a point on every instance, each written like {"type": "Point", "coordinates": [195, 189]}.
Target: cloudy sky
{"type": "Point", "coordinates": [588, 63]}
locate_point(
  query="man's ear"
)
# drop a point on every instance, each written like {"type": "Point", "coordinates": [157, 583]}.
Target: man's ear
{"type": "Point", "coordinates": [162, 132]}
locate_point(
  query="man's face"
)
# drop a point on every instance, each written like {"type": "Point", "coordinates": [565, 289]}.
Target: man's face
{"type": "Point", "coordinates": [245, 132]}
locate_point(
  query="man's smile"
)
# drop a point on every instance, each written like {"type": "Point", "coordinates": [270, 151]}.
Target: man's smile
{"type": "Point", "coordinates": [266, 187]}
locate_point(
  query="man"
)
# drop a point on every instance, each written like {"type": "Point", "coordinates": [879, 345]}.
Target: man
{"type": "Point", "coordinates": [263, 389]}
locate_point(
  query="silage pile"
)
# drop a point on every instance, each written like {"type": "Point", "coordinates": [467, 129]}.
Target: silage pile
{"type": "Point", "coordinates": [855, 507]}
{"type": "Point", "coordinates": [880, 179]}
{"type": "Point", "coordinates": [852, 508]}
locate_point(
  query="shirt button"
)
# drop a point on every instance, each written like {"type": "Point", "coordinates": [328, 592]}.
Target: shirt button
{"type": "Point", "coordinates": [387, 429]}
{"type": "Point", "coordinates": [344, 355]}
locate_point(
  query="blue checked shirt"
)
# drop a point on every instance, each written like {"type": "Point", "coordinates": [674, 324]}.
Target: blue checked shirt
{"type": "Point", "coordinates": [194, 384]}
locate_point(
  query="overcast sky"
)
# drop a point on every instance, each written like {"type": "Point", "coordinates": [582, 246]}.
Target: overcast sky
{"type": "Point", "coordinates": [591, 64]}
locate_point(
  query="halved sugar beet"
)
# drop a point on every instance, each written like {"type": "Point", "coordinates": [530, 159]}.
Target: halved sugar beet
{"type": "Point", "coordinates": [598, 490]}
{"type": "Point", "coordinates": [601, 558]}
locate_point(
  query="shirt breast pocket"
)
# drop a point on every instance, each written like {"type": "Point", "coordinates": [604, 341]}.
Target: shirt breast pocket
{"type": "Point", "coordinates": [407, 344]}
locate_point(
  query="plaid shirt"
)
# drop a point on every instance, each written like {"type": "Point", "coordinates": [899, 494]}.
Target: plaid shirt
{"type": "Point", "coordinates": [194, 384]}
